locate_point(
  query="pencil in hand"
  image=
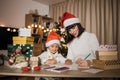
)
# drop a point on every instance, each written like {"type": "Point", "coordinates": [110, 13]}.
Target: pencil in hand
{"type": "Point", "coordinates": [87, 56]}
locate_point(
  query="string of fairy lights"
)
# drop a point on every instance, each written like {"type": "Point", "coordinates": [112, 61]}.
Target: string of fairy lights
{"type": "Point", "coordinates": [44, 29]}
{"type": "Point", "coordinates": [10, 29]}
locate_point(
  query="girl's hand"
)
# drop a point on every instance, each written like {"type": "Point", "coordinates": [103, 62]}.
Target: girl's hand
{"type": "Point", "coordinates": [68, 62]}
{"type": "Point", "coordinates": [51, 61]}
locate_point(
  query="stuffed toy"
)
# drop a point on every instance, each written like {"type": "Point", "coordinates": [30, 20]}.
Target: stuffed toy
{"type": "Point", "coordinates": [17, 59]}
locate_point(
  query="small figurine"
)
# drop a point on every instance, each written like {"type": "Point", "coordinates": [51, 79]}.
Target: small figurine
{"type": "Point", "coordinates": [34, 63]}
{"type": "Point", "coordinates": [17, 59]}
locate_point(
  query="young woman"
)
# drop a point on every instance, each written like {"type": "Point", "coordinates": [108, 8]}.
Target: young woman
{"type": "Point", "coordinates": [81, 44]}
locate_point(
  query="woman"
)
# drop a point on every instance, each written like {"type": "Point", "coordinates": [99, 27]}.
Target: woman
{"type": "Point", "coordinates": [81, 44]}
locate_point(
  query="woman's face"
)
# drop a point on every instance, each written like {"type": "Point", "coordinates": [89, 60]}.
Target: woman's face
{"type": "Point", "coordinates": [74, 31]}
{"type": "Point", "coordinates": [53, 48]}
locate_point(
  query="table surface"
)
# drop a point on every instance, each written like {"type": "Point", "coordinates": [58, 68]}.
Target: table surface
{"type": "Point", "coordinates": [7, 71]}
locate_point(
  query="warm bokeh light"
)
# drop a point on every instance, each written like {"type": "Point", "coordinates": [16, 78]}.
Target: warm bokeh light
{"type": "Point", "coordinates": [40, 26]}
{"type": "Point", "coordinates": [14, 30]}
{"type": "Point", "coordinates": [29, 27]}
{"type": "Point", "coordinates": [8, 29]}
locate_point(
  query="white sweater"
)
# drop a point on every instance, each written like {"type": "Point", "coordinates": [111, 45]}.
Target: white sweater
{"type": "Point", "coordinates": [47, 55]}
{"type": "Point", "coordinates": [82, 46]}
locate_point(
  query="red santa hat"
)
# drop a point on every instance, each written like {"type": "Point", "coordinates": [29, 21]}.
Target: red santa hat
{"type": "Point", "coordinates": [53, 38]}
{"type": "Point", "coordinates": [69, 19]}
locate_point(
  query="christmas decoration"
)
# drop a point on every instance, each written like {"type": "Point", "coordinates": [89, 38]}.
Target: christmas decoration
{"type": "Point", "coordinates": [17, 59]}
{"type": "Point", "coordinates": [69, 19]}
{"type": "Point", "coordinates": [26, 49]}
{"type": "Point", "coordinates": [53, 38]}
{"type": "Point", "coordinates": [61, 31]}
{"type": "Point", "coordinates": [25, 69]}
{"type": "Point", "coordinates": [34, 63]}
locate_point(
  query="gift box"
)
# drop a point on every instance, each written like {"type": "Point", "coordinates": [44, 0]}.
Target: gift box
{"type": "Point", "coordinates": [106, 64]}
{"type": "Point", "coordinates": [107, 48]}
{"type": "Point", "coordinates": [24, 32]}
{"type": "Point", "coordinates": [27, 49]}
{"type": "Point", "coordinates": [106, 55]}
{"type": "Point", "coordinates": [23, 40]}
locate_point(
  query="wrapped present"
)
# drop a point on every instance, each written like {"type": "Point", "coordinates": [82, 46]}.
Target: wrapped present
{"type": "Point", "coordinates": [27, 49]}
{"type": "Point", "coordinates": [106, 64]}
{"type": "Point", "coordinates": [107, 55]}
{"type": "Point", "coordinates": [24, 32]}
{"type": "Point", "coordinates": [23, 40]}
{"type": "Point", "coordinates": [107, 48]}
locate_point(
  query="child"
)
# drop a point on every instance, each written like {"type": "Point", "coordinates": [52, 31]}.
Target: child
{"type": "Point", "coordinates": [51, 56]}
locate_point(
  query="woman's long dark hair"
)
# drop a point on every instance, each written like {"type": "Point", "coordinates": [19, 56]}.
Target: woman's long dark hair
{"type": "Point", "coordinates": [70, 37]}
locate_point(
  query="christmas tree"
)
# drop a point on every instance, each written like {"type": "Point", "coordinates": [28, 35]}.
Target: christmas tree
{"type": "Point", "coordinates": [63, 48]}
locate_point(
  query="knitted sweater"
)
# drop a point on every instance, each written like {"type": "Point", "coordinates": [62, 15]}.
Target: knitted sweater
{"type": "Point", "coordinates": [82, 46]}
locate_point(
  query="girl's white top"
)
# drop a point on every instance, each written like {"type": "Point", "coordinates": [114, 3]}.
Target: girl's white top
{"type": "Point", "coordinates": [47, 55]}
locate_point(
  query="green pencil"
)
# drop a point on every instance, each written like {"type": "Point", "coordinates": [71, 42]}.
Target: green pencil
{"type": "Point", "coordinates": [87, 56]}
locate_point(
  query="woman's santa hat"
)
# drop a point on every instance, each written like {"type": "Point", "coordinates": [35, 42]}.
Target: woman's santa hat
{"type": "Point", "coordinates": [69, 19]}
{"type": "Point", "coordinates": [53, 38]}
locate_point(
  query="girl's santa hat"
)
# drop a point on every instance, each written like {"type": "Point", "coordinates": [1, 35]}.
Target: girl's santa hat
{"type": "Point", "coordinates": [69, 19]}
{"type": "Point", "coordinates": [53, 38]}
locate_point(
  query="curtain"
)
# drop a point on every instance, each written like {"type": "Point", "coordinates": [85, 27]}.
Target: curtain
{"type": "Point", "coordinates": [101, 17]}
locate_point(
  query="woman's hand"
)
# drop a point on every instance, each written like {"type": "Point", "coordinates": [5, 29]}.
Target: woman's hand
{"type": "Point", "coordinates": [68, 62]}
{"type": "Point", "coordinates": [82, 63]}
{"type": "Point", "coordinates": [51, 61]}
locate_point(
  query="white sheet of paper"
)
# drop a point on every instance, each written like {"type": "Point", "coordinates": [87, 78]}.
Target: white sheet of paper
{"type": "Point", "coordinates": [83, 67]}
{"type": "Point", "coordinates": [72, 67]}
{"type": "Point", "coordinates": [92, 70]}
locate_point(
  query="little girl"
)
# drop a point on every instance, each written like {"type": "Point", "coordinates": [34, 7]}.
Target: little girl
{"type": "Point", "coordinates": [51, 56]}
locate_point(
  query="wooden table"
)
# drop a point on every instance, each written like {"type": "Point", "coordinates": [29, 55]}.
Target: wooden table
{"type": "Point", "coordinates": [6, 71]}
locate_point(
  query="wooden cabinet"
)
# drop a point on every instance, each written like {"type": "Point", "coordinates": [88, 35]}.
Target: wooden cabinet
{"type": "Point", "coordinates": [33, 20]}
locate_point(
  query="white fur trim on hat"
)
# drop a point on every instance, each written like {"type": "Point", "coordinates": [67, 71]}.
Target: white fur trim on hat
{"type": "Point", "coordinates": [71, 21]}
{"type": "Point", "coordinates": [52, 42]}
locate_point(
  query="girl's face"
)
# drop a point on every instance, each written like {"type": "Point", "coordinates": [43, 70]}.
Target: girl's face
{"type": "Point", "coordinates": [74, 31]}
{"type": "Point", "coordinates": [53, 48]}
